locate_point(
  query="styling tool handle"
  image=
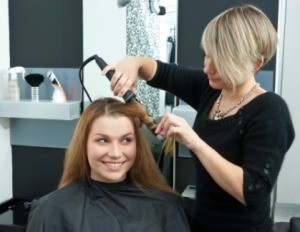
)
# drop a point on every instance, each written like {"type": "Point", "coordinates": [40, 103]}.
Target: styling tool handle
{"type": "Point", "coordinates": [128, 96]}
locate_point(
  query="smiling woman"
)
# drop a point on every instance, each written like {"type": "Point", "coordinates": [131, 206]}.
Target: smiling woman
{"type": "Point", "coordinates": [110, 179]}
{"type": "Point", "coordinates": [111, 148]}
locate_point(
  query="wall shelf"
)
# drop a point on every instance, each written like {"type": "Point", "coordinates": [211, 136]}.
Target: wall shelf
{"type": "Point", "coordinates": [43, 109]}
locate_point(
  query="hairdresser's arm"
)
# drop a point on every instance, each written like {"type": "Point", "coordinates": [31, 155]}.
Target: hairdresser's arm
{"type": "Point", "coordinates": [226, 174]}
{"type": "Point", "coordinates": [128, 70]}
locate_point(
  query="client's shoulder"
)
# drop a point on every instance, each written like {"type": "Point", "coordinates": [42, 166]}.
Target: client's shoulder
{"type": "Point", "coordinates": [61, 196]}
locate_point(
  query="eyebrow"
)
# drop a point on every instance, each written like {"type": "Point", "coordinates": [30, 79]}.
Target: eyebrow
{"type": "Point", "coordinates": [122, 136]}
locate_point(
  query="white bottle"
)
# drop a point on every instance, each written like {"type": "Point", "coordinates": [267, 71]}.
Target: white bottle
{"type": "Point", "coordinates": [13, 84]}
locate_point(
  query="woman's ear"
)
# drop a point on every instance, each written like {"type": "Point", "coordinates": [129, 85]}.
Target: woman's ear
{"type": "Point", "coordinates": [259, 63]}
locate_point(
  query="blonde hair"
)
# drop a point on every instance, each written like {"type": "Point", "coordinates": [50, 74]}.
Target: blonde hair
{"type": "Point", "coordinates": [144, 173]}
{"type": "Point", "coordinates": [236, 39]}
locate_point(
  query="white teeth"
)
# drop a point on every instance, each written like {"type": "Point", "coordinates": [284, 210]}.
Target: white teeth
{"type": "Point", "coordinates": [113, 164]}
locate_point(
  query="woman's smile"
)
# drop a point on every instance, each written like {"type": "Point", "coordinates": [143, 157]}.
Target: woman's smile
{"type": "Point", "coordinates": [113, 165]}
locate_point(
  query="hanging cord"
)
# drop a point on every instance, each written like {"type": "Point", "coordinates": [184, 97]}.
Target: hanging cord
{"type": "Point", "coordinates": [81, 78]}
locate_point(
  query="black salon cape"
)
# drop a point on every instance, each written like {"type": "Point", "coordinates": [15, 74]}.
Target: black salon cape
{"type": "Point", "coordinates": [96, 206]}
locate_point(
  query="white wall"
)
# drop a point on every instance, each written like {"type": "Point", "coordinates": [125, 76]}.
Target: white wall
{"type": "Point", "coordinates": [104, 34]}
{"type": "Point", "coordinates": [5, 148]}
{"type": "Point", "coordinates": [288, 189]}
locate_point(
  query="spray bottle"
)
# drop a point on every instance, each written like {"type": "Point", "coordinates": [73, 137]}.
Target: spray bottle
{"type": "Point", "coordinates": [13, 85]}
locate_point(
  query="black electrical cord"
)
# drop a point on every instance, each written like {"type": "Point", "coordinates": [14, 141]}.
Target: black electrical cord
{"type": "Point", "coordinates": [81, 77]}
{"type": "Point", "coordinates": [128, 96]}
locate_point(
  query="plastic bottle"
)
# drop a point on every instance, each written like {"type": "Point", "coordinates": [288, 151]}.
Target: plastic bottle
{"type": "Point", "coordinates": [13, 84]}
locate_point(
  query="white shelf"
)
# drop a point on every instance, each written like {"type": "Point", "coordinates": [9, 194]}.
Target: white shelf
{"type": "Point", "coordinates": [42, 109]}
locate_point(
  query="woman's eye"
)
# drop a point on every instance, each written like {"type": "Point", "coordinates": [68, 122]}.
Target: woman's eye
{"type": "Point", "coordinates": [101, 140]}
{"type": "Point", "coordinates": [127, 140]}
{"type": "Point", "coordinates": [203, 53]}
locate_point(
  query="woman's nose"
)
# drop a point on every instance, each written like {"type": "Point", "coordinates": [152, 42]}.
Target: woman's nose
{"type": "Point", "coordinates": [209, 67]}
{"type": "Point", "coordinates": [115, 150]}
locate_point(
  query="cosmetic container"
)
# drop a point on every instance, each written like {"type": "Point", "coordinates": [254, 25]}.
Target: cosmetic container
{"type": "Point", "coordinates": [59, 94]}
{"type": "Point", "coordinates": [13, 84]}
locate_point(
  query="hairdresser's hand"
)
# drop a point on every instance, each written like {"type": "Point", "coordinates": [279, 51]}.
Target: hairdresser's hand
{"type": "Point", "coordinates": [177, 127]}
{"type": "Point", "coordinates": [128, 71]}
{"type": "Point", "coordinates": [125, 76]}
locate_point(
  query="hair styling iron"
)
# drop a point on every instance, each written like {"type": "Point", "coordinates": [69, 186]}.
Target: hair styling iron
{"type": "Point", "coordinates": [129, 96]}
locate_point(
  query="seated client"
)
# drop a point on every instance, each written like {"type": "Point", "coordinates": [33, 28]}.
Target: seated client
{"type": "Point", "coordinates": [110, 180]}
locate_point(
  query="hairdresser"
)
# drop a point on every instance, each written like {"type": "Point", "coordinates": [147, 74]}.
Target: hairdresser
{"type": "Point", "coordinates": [241, 132]}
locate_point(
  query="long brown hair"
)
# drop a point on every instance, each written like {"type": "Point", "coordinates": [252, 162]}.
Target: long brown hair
{"type": "Point", "coordinates": [144, 173]}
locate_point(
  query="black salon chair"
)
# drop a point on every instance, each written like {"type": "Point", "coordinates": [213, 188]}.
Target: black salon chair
{"type": "Point", "coordinates": [281, 227]}
{"type": "Point", "coordinates": [292, 226]}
